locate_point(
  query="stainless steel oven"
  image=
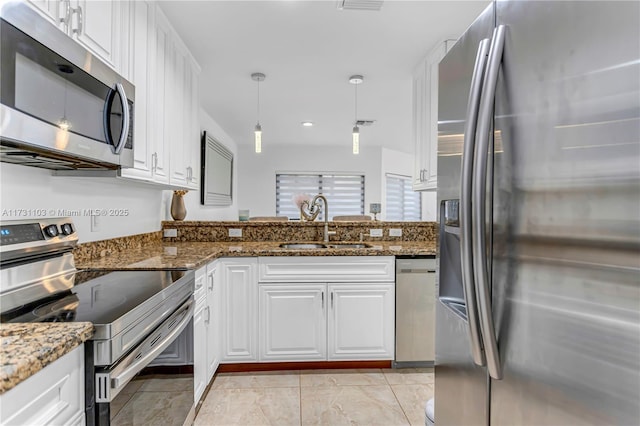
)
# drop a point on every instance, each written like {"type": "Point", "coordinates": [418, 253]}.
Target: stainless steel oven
{"type": "Point", "coordinates": [139, 363]}
{"type": "Point", "coordinates": [61, 107]}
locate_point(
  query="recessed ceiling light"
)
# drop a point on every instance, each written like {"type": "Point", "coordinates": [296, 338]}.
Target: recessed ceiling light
{"type": "Point", "coordinates": [307, 123]}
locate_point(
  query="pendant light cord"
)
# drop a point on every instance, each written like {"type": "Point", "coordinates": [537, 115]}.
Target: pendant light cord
{"type": "Point", "coordinates": [356, 117]}
{"type": "Point", "coordinates": [258, 101]}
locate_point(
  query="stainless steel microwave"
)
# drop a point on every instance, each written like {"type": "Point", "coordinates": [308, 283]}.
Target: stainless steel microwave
{"type": "Point", "coordinates": [61, 108]}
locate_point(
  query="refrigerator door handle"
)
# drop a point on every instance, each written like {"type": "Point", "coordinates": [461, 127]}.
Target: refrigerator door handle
{"type": "Point", "coordinates": [466, 255]}
{"type": "Point", "coordinates": [484, 129]}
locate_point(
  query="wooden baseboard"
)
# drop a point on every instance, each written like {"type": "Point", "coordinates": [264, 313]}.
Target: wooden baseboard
{"type": "Point", "coordinates": [308, 365]}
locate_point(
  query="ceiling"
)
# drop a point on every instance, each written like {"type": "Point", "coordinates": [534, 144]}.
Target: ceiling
{"type": "Point", "coordinates": [308, 50]}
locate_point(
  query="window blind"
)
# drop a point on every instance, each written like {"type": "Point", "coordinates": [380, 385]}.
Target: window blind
{"type": "Point", "coordinates": [345, 193]}
{"type": "Point", "coordinates": [402, 203]}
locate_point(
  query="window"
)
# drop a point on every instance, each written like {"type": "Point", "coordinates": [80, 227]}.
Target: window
{"type": "Point", "coordinates": [345, 193]}
{"type": "Point", "coordinates": [402, 202]}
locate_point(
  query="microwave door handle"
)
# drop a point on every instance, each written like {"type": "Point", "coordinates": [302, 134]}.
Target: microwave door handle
{"type": "Point", "coordinates": [479, 194]}
{"type": "Point", "coordinates": [125, 118]}
{"type": "Point", "coordinates": [466, 254]}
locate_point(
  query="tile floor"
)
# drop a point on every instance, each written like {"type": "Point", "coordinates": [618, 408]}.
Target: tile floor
{"type": "Point", "coordinates": [318, 397]}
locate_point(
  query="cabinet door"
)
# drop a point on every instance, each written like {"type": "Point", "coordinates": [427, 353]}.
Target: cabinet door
{"type": "Point", "coordinates": [213, 324]}
{"type": "Point", "coordinates": [239, 308]}
{"type": "Point", "coordinates": [48, 9]}
{"type": "Point", "coordinates": [425, 118]}
{"type": "Point", "coordinates": [96, 25]}
{"type": "Point", "coordinates": [194, 127]}
{"type": "Point", "coordinates": [361, 321]}
{"type": "Point", "coordinates": [176, 116]}
{"type": "Point", "coordinates": [161, 96]}
{"type": "Point", "coordinates": [292, 322]}
{"type": "Point", "coordinates": [199, 352]}
{"type": "Point", "coordinates": [142, 45]}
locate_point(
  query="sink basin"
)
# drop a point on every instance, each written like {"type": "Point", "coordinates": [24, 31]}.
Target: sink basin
{"type": "Point", "coordinates": [350, 245]}
{"type": "Point", "coordinates": [303, 246]}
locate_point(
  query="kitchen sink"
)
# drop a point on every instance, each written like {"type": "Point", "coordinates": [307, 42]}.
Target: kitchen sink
{"type": "Point", "coordinates": [350, 245]}
{"type": "Point", "coordinates": [303, 246]}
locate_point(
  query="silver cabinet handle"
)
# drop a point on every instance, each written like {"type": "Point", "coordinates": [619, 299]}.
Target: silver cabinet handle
{"type": "Point", "coordinates": [211, 282]}
{"type": "Point", "coordinates": [80, 27]}
{"type": "Point", "coordinates": [331, 300]}
{"type": "Point", "coordinates": [322, 296]}
{"type": "Point", "coordinates": [466, 254]}
{"type": "Point", "coordinates": [208, 320]}
{"type": "Point", "coordinates": [155, 162]}
{"type": "Point", "coordinates": [485, 127]}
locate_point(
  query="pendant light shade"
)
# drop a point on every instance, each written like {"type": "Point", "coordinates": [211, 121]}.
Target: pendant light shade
{"type": "Point", "coordinates": [258, 135]}
{"type": "Point", "coordinates": [355, 134]}
{"type": "Point", "coordinates": [356, 140]}
{"type": "Point", "coordinates": [258, 76]}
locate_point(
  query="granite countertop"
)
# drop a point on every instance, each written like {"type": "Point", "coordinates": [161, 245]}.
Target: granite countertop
{"type": "Point", "coordinates": [192, 255]}
{"type": "Point", "coordinates": [26, 349]}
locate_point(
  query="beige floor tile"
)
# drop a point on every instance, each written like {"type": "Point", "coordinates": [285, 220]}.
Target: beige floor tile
{"type": "Point", "coordinates": [366, 377]}
{"type": "Point", "coordinates": [155, 408]}
{"type": "Point", "coordinates": [266, 379]}
{"type": "Point", "coordinates": [409, 376]}
{"type": "Point", "coordinates": [350, 405]}
{"type": "Point", "coordinates": [413, 399]}
{"type": "Point", "coordinates": [171, 383]}
{"type": "Point", "coordinates": [259, 406]}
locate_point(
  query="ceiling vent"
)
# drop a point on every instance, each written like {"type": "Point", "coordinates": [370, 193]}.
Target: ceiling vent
{"type": "Point", "coordinates": [365, 122]}
{"type": "Point", "coordinates": [360, 4]}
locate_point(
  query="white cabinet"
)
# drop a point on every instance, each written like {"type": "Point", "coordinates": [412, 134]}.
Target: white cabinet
{"type": "Point", "coordinates": [98, 25]}
{"type": "Point", "coordinates": [54, 395]}
{"type": "Point", "coordinates": [425, 118]}
{"type": "Point", "coordinates": [292, 322]}
{"type": "Point", "coordinates": [166, 139]}
{"type": "Point", "coordinates": [213, 319]}
{"type": "Point", "coordinates": [361, 323]}
{"type": "Point", "coordinates": [200, 379]}
{"type": "Point", "coordinates": [239, 310]}
{"type": "Point", "coordinates": [326, 308]}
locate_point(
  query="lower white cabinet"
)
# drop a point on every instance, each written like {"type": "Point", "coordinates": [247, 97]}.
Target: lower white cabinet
{"type": "Point", "coordinates": [352, 318]}
{"type": "Point", "coordinates": [54, 395]}
{"type": "Point", "coordinates": [213, 319]}
{"type": "Point", "coordinates": [239, 310]}
{"type": "Point", "coordinates": [293, 322]}
{"type": "Point", "coordinates": [361, 323]}
{"type": "Point", "coordinates": [200, 379]}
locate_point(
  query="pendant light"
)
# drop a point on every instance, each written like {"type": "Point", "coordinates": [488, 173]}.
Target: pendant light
{"type": "Point", "coordinates": [258, 76]}
{"type": "Point", "coordinates": [355, 135]}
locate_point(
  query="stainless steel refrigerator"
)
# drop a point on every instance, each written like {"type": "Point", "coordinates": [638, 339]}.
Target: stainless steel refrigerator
{"type": "Point", "coordinates": [538, 311]}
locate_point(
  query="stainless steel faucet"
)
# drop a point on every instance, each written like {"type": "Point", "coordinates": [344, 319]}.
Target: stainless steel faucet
{"type": "Point", "coordinates": [314, 210]}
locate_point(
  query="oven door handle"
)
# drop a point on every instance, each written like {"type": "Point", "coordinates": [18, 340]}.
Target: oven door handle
{"type": "Point", "coordinates": [183, 315]}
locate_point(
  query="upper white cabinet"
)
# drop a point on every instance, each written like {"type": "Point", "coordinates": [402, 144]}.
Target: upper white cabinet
{"type": "Point", "coordinates": [239, 309]}
{"type": "Point", "coordinates": [167, 142]}
{"type": "Point", "coordinates": [96, 24]}
{"type": "Point", "coordinates": [425, 118]}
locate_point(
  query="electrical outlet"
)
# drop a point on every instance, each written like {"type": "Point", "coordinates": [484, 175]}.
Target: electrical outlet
{"type": "Point", "coordinates": [375, 232]}
{"type": "Point", "coordinates": [170, 233]}
{"type": "Point", "coordinates": [235, 232]}
{"type": "Point", "coordinates": [395, 232]}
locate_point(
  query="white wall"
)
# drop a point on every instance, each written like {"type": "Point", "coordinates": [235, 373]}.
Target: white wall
{"type": "Point", "coordinates": [195, 210]}
{"type": "Point", "coordinates": [257, 172]}
{"type": "Point", "coordinates": [27, 188]}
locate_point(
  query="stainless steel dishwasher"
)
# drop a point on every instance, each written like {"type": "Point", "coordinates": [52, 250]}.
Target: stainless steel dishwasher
{"type": "Point", "coordinates": [415, 312]}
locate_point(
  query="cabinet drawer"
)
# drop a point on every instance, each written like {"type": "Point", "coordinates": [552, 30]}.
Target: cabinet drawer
{"type": "Point", "coordinates": [326, 269]}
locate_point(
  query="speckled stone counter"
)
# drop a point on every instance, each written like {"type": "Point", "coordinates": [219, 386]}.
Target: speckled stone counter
{"type": "Point", "coordinates": [26, 349]}
{"type": "Point", "coordinates": [192, 255]}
